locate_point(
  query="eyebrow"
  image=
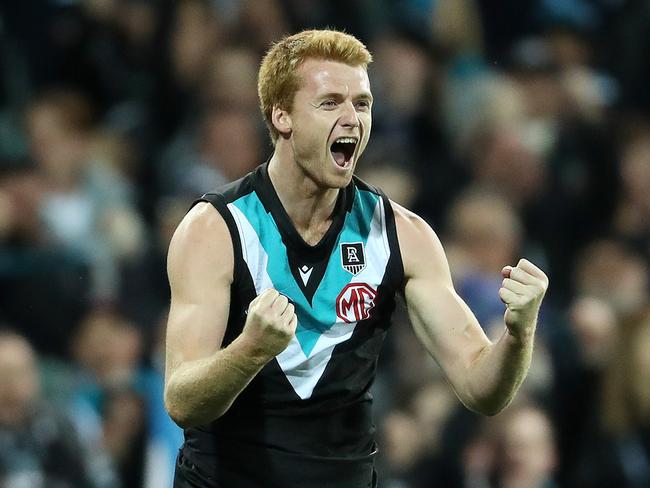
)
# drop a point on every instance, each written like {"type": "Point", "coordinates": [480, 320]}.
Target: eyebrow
{"type": "Point", "coordinates": [339, 95]}
{"type": "Point", "coordinates": [364, 96]}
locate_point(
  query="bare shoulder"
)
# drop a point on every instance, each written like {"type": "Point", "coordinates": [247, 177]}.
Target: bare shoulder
{"type": "Point", "coordinates": [203, 228]}
{"type": "Point", "coordinates": [201, 245]}
{"type": "Point", "coordinates": [406, 215]}
{"type": "Point", "coordinates": [420, 246]}
{"type": "Point", "coordinates": [412, 230]}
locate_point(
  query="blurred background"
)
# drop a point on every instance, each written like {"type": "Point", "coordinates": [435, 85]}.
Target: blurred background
{"type": "Point", "coordinates": [515, 127]}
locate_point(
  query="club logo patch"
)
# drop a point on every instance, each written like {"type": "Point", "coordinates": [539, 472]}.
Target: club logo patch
{"type": "Point", "coordinates": [353, 258]}
{"type": "Point", "coordinates": [355, 302]}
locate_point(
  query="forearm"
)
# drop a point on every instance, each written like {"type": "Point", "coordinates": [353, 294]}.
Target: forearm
{"type": "Point", "coordinates": [493, 379]}
{"type": "Point", "coordinates": [200, 391]}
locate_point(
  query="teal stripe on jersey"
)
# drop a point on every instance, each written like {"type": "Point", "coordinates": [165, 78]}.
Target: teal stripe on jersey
{"type": "Point", "coordinates": [312, 322]}
{"type": "Point", "coordinates": [355, 229]}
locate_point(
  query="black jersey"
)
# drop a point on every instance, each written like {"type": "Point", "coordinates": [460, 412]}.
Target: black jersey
{"type": "Point", "coordinates": [305, 420]}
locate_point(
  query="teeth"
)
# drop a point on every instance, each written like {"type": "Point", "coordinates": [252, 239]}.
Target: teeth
{"type": "Point", "coordinates": [344, 140]}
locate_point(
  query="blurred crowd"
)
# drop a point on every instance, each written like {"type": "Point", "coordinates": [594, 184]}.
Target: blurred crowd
{"type": "Point", "coordinates": [515, 128]}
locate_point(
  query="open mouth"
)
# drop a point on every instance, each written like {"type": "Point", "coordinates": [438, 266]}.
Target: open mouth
{"type": "Point", "coordinates": [343, 149]}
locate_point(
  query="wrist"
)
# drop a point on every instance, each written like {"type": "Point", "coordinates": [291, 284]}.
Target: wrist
{"type": "Point", "coordinates": [251, 350]}
{"type": "Point", "coordinates": [520, 337]}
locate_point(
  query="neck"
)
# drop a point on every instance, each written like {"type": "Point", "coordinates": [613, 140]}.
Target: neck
{"type": "Point", "coordinates": [308, 205]}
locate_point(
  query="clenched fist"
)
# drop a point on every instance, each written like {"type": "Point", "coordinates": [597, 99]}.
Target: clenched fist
{"type": "Point", "coordinates": [271, 322]}
{"type": "Point", "coordinates": [522, 291]}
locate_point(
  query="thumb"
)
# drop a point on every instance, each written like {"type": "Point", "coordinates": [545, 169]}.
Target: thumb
{"type": "Point", "coordinates": [505, 272]}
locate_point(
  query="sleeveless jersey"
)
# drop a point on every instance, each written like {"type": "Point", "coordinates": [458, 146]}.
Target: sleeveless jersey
{"type": "Point", "coordinates": [305, 420]}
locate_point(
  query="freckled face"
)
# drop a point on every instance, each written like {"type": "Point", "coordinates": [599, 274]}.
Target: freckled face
{"type": "Point", "coordinates": [330, 121]}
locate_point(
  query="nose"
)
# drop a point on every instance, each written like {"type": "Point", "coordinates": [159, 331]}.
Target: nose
{"type": "Point", "coordinates": [349, 117]}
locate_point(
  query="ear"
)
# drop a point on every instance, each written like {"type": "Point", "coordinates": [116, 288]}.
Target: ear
{"type": "Point", "coordinates": [281, 121]}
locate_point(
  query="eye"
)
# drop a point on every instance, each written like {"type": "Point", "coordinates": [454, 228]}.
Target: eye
{"type": "Point", "coordinates": [329, 104]}
{"type": "Point", "coordinates": [363, 104]}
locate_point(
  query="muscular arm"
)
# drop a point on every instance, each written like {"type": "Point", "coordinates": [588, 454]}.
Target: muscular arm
{"type": "Point", "coordinates": [202, 380]}
{"type": "Point", "coordinates": [484, 375]}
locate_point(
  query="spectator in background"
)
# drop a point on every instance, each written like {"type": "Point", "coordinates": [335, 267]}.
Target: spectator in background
{"type": "Point", "coordinates": [616, 452]}
{"type": "Point", "coordinates": [145, 291]}
{"type": "Point", "coordinates": [628, 50]}
{"type": "Point", "coordinates": [196, 34]}
{"type": "Point", "coordinates": [632, 217]}
{"type": "Point", "coordinates": [106, 406]}
{"type": "Point", "coordinates": [484, 230]}
{"type": "Point", "coordinates": [581, 355]}
{"type": "Point", "coordinates": [119, 402]}
{"type": "Point", "coordinates": [403, 73]}
{"type": "Point", "coordinates": [209, 157]}
{"type": "Point", "coordinates": [531, 133]}
{"type": "Point", "coordinates": [43, 286]}
{"type": "Point", "coordinates": [513, 451]}
{"type": "Point", "coordinates": [230, 80]}
{"type": "Point", "coordinates": [528, 456]}
{"type": "Point", "coordinates": [196, 158]}
{"type": "Point", "coordinates": [410, 147]}
{"type": "Point", "coordinates": [260, 22]}
{"type": "Point", "coordinates": [86, 206]}
{"type": "Point", "coordinates": [38, 446]}
{"type": "Point", "coordinates": [415, 454]}
{"type": "Point", "coordinates": [613, 272]}
{"type": "Point", "coordinates": [612, 299]}
{"type": "Point", "coordinates": [120, 55]}
{"type": "Point", "coordinates": [164, 437]}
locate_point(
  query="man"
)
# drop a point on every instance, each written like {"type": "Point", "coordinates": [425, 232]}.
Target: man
{"type": "Point", "coordinates": [283, 285]}
{"type": "Point", "coordinates": [38, 446]}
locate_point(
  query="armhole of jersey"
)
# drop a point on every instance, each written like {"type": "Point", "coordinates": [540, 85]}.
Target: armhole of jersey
{"type": "Point", "coordinates": [219, 203]}
{"type": "Point", "coordinates": [395, 262]}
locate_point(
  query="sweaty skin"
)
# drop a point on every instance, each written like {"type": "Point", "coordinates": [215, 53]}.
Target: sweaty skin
{"type": "Point", "coordinates": [202, 379]}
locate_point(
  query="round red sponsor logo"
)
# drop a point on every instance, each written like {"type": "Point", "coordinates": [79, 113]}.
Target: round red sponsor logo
{"type": "Point", "coordinates": [355, 302]}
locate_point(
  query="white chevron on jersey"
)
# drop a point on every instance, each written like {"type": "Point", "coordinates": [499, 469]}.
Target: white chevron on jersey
{"type": "Point", "coordinates": [252, 251]}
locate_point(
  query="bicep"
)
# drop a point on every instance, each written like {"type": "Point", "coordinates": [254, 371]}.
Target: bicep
{"type": "Point", "coordinates": [200, 267]}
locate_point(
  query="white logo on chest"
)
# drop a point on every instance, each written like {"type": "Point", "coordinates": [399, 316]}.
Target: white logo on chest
{"type": "Point", "coordinates": [305, 273]}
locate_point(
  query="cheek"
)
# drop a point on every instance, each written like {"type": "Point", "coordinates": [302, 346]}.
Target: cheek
{"type": "Point", "coordinates": [367, 127]}
{"type": "Point", "coordinates": [308, 145]}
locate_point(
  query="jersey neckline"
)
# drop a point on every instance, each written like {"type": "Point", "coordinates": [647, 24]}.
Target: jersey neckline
{"type": "Point", "coordinates": [269, 198]}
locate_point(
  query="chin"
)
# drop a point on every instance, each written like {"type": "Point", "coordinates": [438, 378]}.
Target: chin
{"type": "Point", "coordinates": [339, 181]}
{"type": "Point", "coordinates": [327, 175]}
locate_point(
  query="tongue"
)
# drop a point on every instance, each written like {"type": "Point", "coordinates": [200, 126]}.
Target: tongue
{"type": "Point", "coordinates": [339, 157]}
